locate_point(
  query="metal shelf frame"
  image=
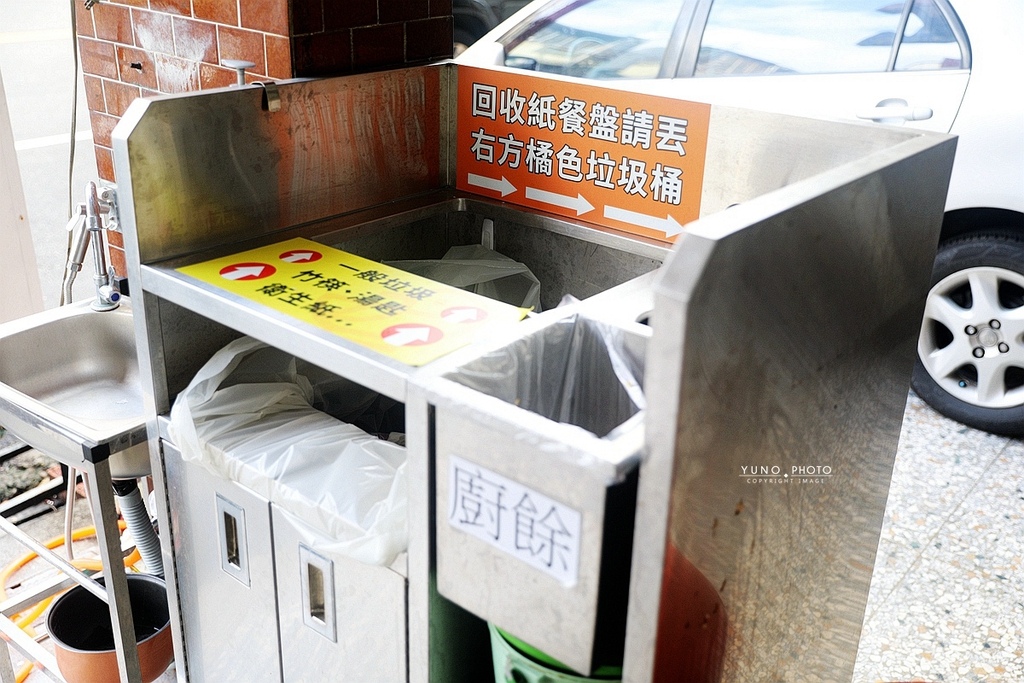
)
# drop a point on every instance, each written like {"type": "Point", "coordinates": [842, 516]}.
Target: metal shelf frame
{"type": "Point", "coordinates": [116, 595]}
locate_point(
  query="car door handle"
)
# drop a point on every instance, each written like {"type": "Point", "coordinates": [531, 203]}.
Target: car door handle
{"type": "Point", "coordinates": [894, 113]}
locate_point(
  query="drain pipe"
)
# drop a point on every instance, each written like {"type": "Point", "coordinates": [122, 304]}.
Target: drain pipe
{"type": "Point", "coordinates": [133, 509]}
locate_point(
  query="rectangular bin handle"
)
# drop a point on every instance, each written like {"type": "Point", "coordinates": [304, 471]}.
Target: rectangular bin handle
{"type": "Point", "coordinates": [316, 574]}
{"type": "Point", "coordinates": [234, 554]}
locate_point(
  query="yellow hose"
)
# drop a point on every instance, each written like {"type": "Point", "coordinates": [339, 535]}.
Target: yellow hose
{"type": "Point", "coordinates": [25, 619]}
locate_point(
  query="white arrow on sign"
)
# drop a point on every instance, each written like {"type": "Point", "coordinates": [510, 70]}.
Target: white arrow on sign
{"type": "Point", "coordinates": [298, 257]}
{"type": "Point", "coordinates": [242, 272]}
{"type": "Point", "coordinates": [407, 335]}
{"type": "Point", "coordinates": [579, 203]}
{"type": "Point", "coordinates": [503, 186]}
{"type": "Point", "coordinates": [462, 315]}
{"type": "Point", "coordinates": [668, 225]}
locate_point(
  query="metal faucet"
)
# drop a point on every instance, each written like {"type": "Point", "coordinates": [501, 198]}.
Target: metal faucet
{"type": "Point", "coordinates": [86, 226]}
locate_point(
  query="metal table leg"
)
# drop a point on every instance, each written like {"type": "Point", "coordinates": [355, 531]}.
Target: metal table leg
{"type": "Point", "coordinates": [6, 668]}
{"type": "Point", "coordinates": [115, 580]}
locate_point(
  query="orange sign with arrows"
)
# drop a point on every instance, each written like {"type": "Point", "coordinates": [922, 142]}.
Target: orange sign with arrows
{"type": "Point", "coordinates": [614, 158]}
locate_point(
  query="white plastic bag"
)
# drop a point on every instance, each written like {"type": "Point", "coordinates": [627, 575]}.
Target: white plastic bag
{"type": "Point", "coordinates": [482, 271]}
{"type": "Point", "coordinates": [246, 417]}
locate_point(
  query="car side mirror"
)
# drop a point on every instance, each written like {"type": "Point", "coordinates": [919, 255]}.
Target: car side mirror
{"type": "Point", "coordinates": [527, 63]}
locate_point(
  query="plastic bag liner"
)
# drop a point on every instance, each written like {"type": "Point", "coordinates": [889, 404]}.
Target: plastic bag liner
{"type": "Point", "coordinates": [482, 271]}
{"type": "Point", "coordinates": [577, 371]}
{"type": "Point", "coordinates": [247, 417]}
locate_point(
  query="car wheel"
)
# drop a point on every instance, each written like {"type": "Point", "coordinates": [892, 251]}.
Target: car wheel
{"type": "Point", "coordinates": [970, 364]}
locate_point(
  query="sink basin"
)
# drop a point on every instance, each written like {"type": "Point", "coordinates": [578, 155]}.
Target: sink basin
{"type": "Point", "coordinates": [69, 385]}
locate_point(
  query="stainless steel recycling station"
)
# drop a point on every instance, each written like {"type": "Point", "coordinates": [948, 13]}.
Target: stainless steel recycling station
{"type": "Point", "coordinates": [773, 337]}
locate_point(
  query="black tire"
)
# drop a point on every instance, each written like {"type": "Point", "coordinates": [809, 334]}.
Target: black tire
{"type": "Point", "coordinates": [997, 259]}
{"type": "Point", "coordinates": [464, 37]}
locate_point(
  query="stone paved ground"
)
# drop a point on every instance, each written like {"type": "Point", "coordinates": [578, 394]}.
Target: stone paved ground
{"type": "Point", "coordinates": [22, 472]}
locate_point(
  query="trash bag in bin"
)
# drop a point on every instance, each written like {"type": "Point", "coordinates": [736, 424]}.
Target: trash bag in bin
{"type": "Point", "coordinates": [247, 417]}
{"type": "Point", "coordinates": [577, 371]}
{"type": "Point", "coordinates": [482, 271]}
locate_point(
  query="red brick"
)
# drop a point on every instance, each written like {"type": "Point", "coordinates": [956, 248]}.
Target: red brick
{"type": "Point", "coordinates": [239, 44]}
{"type": "Point", "coordinates": [102, 124]}
{"type": "Point", "coordinates": [136, 66]}
{"type": "Point", "coordinates": [220, 11]}
{"type": "Point", "coordinates": [270, 16]}
{"type": "Point", "coordinates": [113, 23]}
{"type": "Point", "coordinates": [322, 54]}
{"type": "Point", "coordinates": [98, 58]}
{"type": "Point", "coordinates": [153, 31]}
{"type": "Point", "coordinates": [440, 8]}
{"type": "Point", "coordinates": [117, 260]}
{"type": "Point", "coordinates": [307, 16]}
{"type": "Point", "coordinates": [118, 96]}
{"type": "Point", "coordinates": [377, 46]}
{"type": "Point", "coordinates": [150, 93]}
{"type": "Point", "coordinates": [83, 21]}
{"type": "Point", "coordinates": [177, 75]}
{"type": "Point", "coordinates": [215, 77]}
{"type": "Point", "coordinates": [394, 11]}
{"type": "Point", "coordinates": [195, 40]}
{"type": "Point", "coordinates": [94, 93]}
{"type": "Point", "coordinates": [115, 239]}
{"type": "Point", "coordinates": [142, 4]}
{"type": "Point", "coordinates": [279, 57]}
{"type": "Point", "coordinates": [104, 163]}
{"type": "Point", "coordinates": [181, 7]}
{"type": "Point", "coordinates": [428, 39]}
{"type": "Point", "coordinates": [348, 15]}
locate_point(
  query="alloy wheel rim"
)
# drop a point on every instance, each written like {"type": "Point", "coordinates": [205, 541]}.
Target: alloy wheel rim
{"type": "Point", "coordinates": [972, 337]}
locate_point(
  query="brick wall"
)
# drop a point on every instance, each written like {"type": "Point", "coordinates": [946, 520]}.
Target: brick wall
{"type": "Point", "coordinates": [339, 36]}
{"type": "Point", "coordinates": [132, 48]}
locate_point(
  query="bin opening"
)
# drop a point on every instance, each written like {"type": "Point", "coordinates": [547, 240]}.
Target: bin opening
{"type": "Point", "coordinates": [324, 449]}
{"type": "Point", "coordinates": [578, 371]}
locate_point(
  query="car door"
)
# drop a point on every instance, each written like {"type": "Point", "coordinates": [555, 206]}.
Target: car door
{"type": "Point", "coordinates": [889, 61]}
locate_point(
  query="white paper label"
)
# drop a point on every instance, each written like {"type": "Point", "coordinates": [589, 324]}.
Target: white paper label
{"type": "Point", "coordinates": [515, 519]}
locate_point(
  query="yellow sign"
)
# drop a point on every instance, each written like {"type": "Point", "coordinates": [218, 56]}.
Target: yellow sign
{"type": "Point", "coordinates": [403, 316]}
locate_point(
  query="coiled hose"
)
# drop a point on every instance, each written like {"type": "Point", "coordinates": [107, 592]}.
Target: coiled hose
{"type": "Point", "coordinates": [133, 510]}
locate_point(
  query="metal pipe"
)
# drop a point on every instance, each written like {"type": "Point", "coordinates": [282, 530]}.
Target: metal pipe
{"type": "Point", "coordinates": [53, 558]}
{"type": "Point", "coordinates": [106, 296]}
{"type": "Point", "coordinates": [76, 254]}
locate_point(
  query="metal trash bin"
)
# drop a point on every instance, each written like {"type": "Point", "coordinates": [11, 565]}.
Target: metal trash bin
{"type": "Point", "coordinates": [537, 442]}
{"type": "Point", "coordinates": [311, 515]}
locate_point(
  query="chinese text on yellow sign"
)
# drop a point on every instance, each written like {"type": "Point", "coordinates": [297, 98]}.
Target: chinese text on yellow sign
{"type": "Point", "coordinates": [403, 316]}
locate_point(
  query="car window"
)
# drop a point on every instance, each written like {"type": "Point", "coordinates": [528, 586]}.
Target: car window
{"type": "Point", "coordinates": [928, 41]}
{"type": "Point", "coordinates": [762, 37]}
{"type": "Point", "coordinates": [606, 39]}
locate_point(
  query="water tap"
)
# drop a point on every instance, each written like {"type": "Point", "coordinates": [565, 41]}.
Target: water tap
{"type": "Point", "coordinates": [87, 228]}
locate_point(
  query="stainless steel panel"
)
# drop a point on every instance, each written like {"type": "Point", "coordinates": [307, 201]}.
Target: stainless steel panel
{"type": "Point", "coordinates": [750, 153]}
{"type": "Point", "coordinates": [369, 614]}
{"type": "Point", "coordinates": [498, 412]}
{"type": "Point", "coordinates": [784, 336]}
{"type": "Point", "coordinates": [214, 167]}
{"type": "Point", "coordinates": [229, 629]}
{"type": "Point", "coordinates": [195, 318]}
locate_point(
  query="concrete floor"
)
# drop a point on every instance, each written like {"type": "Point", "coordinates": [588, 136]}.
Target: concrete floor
{"type": "Point", "coordinates": [947, 599]}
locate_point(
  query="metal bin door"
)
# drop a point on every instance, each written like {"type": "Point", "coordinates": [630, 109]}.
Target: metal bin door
{"type": "Point", "coordinates": [341, 619]}
{"type": "Point", "coordinates": [225, 571]}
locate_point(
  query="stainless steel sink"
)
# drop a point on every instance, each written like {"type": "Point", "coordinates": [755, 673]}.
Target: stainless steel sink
{"type": "Point", "coordinates": [69, 384]}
